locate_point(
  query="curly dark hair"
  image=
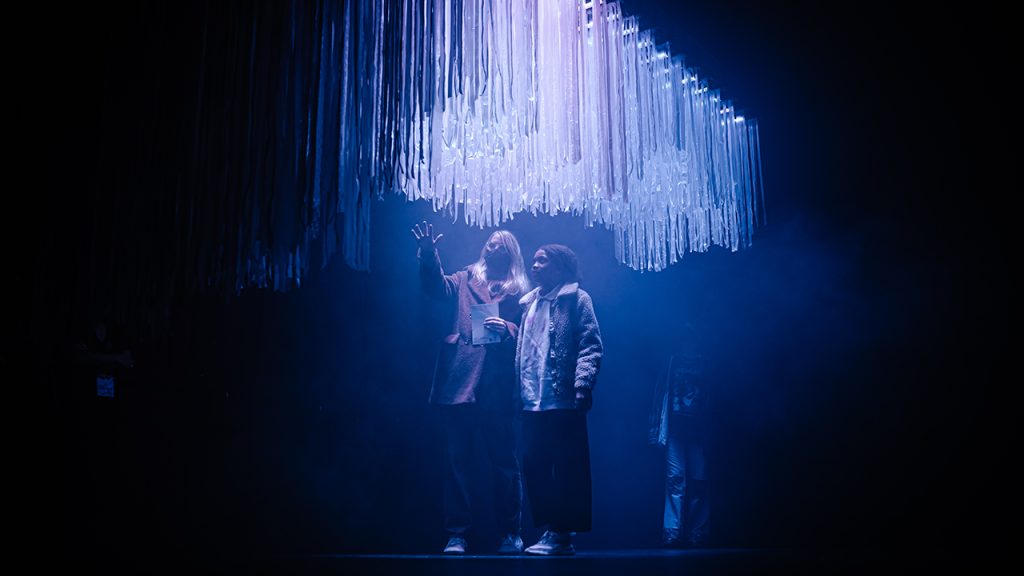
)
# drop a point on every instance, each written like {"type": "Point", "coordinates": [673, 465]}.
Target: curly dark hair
{"type": "Point", "coordinates": [565, 260]}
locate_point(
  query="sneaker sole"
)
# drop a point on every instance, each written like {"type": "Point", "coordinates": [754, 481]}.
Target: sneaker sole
{"type": "Point", "coordinates": [563, 553]}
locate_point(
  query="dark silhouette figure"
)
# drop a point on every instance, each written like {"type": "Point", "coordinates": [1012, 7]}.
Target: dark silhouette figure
{"type": "Point", "coordinates": [679, 423]}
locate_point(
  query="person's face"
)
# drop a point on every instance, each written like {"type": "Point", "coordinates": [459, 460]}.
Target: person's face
{"type": "Point", "coordinates": [495, 252]}
{"type": "Point", "coordinates": [544, 272]}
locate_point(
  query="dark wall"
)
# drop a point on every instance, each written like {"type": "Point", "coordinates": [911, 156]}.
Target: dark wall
{"type": "Point", "coordinates": [857, 344]}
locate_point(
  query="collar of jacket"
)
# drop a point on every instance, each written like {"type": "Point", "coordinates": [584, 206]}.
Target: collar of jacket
{"type": "Point", "coordinates": [532, 295]}
{"type": "Point", "coordinates": [480, 290]}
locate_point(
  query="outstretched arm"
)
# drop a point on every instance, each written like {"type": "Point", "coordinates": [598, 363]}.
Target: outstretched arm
{"type": "Point", "coordinates": [432, 276]}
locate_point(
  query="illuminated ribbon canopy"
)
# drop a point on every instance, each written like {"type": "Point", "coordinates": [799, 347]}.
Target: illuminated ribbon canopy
{"type": "Point", "coordinates": [487, 108]}
{"type": "Point", "coordinates": [252, 145]}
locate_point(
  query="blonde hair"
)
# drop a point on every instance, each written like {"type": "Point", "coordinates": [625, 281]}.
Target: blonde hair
{"type": "Point", "coordinates": [516, 283]}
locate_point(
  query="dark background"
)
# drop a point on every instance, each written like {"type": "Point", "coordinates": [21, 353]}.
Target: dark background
{"type": "Point", "coordinates": [858, 345]}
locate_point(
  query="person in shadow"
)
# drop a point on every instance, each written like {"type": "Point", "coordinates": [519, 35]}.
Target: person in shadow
{"type": "Point", "coordinates": [678, 423]}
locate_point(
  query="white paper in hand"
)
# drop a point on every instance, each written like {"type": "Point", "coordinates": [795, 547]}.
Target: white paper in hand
{"type": "Point", "coordinates": [478, 313]}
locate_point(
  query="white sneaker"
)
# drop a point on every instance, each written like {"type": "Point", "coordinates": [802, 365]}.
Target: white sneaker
{"type": "Point", "coordinates": [553, 544]}
{"type": "Point", "coordinates": [456, 545]}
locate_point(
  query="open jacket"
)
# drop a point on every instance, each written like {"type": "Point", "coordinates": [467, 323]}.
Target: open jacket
{"type": "Point", "coordinates": [681, 390]}
{"type": "Point", "coordinates": [466, 373]}
{"type": "Point", "coordinates": [574, 356]}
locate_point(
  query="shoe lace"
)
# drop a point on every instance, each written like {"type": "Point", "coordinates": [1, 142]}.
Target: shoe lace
{"type": "Point", "coordinates": [551, 537]}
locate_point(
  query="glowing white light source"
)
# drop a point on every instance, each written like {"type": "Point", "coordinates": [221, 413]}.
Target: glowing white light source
{"type": "Point", "coordinates": [553, 106]}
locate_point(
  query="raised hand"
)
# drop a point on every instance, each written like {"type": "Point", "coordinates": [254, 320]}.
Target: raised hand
{"type": "Point", "coordinates": [424, 235]}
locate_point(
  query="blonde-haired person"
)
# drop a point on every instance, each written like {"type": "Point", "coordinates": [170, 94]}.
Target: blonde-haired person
{"type": "Point", "coordinates": [474, 385]}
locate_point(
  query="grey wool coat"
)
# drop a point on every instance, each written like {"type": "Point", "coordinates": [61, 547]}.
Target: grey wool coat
{"type": "Point", "coordinates": [465, 373]}
{"type": "Point", "coordinates": [575, 346]}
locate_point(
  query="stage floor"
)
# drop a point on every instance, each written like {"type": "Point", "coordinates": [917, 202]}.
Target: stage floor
{"type": "Point", "coordinates": [697, 562]}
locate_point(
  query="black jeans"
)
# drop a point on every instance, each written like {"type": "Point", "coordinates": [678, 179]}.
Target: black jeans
{"type": "Point", "coordinates": [464, 424]}
{"type": "Point", "coordinates": [556, 463]}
